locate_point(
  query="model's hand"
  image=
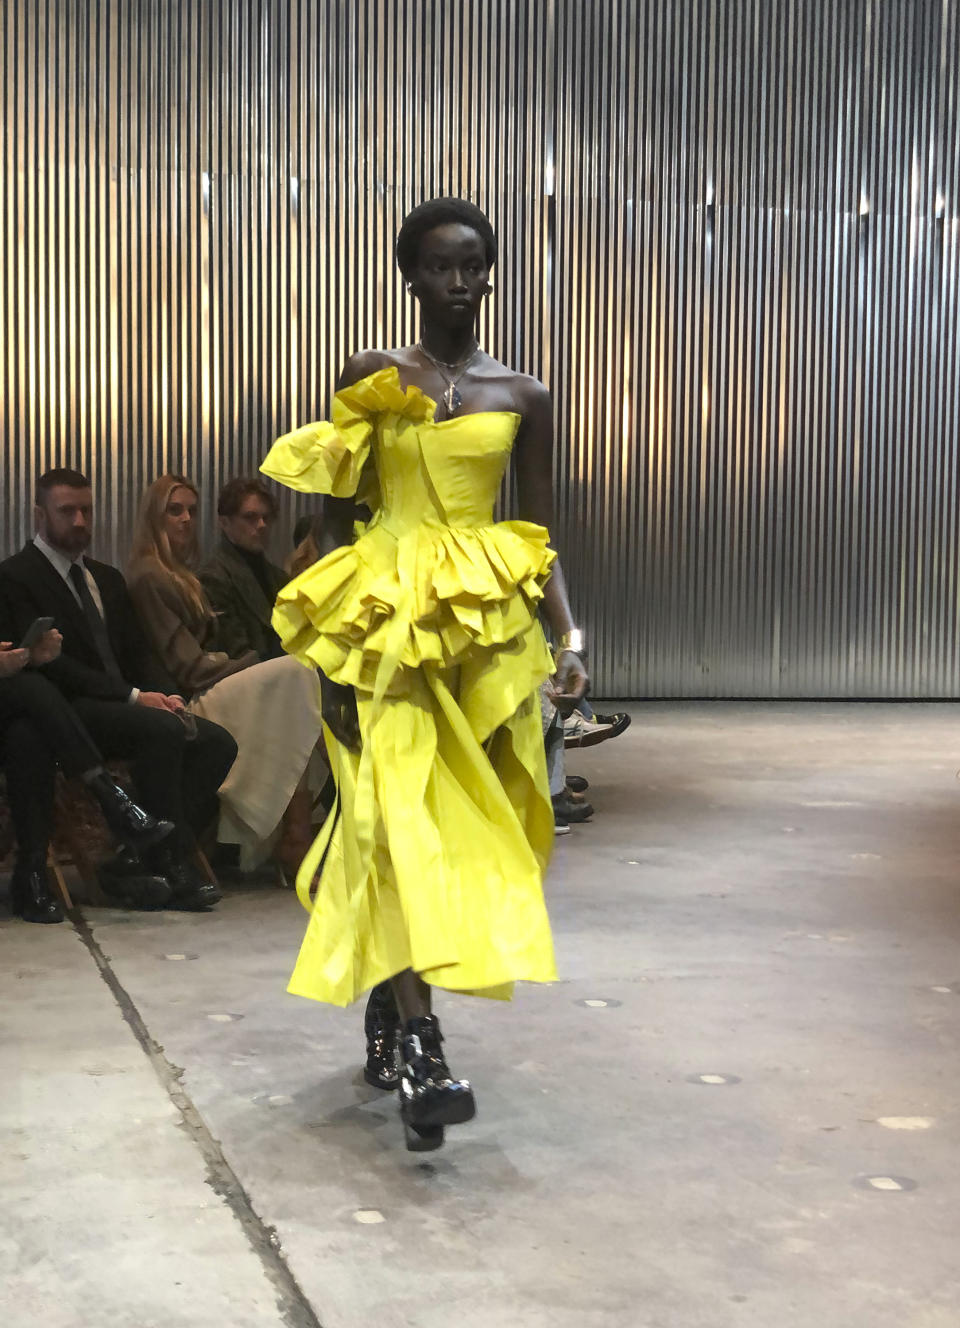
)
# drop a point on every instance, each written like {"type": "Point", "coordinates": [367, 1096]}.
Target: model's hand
{"type": "Point", "coordinates": [47, 648]}
{"type": "Point", "coordinates": [339, 710]}
{"type": "Point", "coordinates": [176, 704]}
{"type": "Point", "coordinates": [569, 682]}
{"type": "Point", "coordinates": [12, 661]}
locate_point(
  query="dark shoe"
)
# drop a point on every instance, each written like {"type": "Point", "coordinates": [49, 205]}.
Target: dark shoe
{"type": "Point", "coordinates": [188, 889]}
{"type": "Point", "coordinates": [561, 826]}
{"type": "Point", "coordinates": [577, 784]}
{"type": "Point", "coordinates": [128, 883]}
{"type": "Point", "coordinates": [618, 722]}
{"type": "Point", "coordinates": [430, 1097]}
{"type": "Point", "coordinates": [380, 1024]}
{"type": "Point", "coordinates": [30, 895]}
{"type": "Point", "coordinates": [581, 732]}
{"type": "Point", "coordinates": [569, 811]}
{"type": "Point", "coordinates": [130, 823]}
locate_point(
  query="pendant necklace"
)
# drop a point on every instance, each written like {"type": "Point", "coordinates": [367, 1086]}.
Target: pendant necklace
{"type": "Point", "coordinates": [451, 398]}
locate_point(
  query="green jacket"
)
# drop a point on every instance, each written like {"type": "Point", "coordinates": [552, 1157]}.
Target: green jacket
{"type": "Point", "coordinates": [243, 611]}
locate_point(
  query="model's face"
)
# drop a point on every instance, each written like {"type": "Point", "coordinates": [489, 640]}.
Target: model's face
{"type": "Point", "coordinates": [65, 518]}
{"type": "Point", "coordinates": [451, 277]}
{"type": "Point", "coordinates": [179, 519]}
{"type": "Point", "coordinates": [250, 528]}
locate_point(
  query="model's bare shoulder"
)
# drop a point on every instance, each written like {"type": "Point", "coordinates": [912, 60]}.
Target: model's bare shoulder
{"type": "Point", "coordinates": [533, 398]}
{"type": "Point", "coordinates": [361, 365]}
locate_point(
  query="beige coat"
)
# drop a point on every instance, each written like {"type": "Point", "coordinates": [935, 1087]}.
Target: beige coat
{"type": "Point", "coordinates": [184, 640]}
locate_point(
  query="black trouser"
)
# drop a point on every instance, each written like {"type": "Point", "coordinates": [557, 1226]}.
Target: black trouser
{"type": "Point", "coordinates": [176, 779]}
{"type": "Point", "coordinates": [39, 730]}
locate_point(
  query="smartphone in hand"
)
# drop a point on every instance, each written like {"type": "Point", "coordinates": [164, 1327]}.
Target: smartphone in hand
{"type": "Point", "coordinates": [39, 627]}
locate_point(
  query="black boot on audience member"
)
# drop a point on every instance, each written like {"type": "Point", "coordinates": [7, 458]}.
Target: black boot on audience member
{"type": "Point", "coordinates": [568, 809]}
{"type": "Point", "coordinates": [129, 822]}
{"type": "Point", "coordinates": [129, 883]}
{"type": "Point", "coordinates": [188, 889]}
{"type": "Point", "coordinates": [30, 894]}
{"type": "Point", "coordinates": [380, 1024]}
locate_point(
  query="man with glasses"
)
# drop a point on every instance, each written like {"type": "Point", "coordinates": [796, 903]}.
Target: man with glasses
{"type": "Point", "coordinates": [241, 583]}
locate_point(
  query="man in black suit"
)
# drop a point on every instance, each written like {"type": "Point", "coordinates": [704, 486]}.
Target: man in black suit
{"type": "Point", "coordinates": [104, 670]}
{"type": "Point", "coordinates": [39, 731]}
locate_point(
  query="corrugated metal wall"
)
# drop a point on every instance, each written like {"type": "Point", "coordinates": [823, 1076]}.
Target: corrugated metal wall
{"type": "Point", "coordinates": [731, 239]}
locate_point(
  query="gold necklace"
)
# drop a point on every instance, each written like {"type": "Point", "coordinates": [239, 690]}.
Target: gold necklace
{"type": "Point", "coordinates": [451, 398]}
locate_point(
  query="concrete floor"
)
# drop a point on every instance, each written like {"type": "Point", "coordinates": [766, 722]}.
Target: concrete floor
{"type": "Point", "coordinates": [768, 896]}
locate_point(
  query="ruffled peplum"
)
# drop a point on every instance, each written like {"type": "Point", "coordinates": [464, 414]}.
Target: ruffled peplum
{"type": "Point", "coordinates": [429, 596]}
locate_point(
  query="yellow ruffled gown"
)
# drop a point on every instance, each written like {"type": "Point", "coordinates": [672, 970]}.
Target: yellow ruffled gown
{"type": "Point", "coordinates": [434, 858]}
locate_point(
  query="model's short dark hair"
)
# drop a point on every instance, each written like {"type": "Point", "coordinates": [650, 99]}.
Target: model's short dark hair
{"type": "Point", "coordinates": [441, 212]}
{"type": "Point", "coordinates": [236, 492]}
{"type": "Point", "coordinates": [73, 479]}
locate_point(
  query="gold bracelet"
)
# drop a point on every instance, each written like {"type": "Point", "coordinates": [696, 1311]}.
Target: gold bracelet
{"type": "Point", "coordinates": [572, 640]}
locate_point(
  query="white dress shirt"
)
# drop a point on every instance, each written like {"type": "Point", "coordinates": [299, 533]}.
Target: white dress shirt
{"type": "Point", "coordinates": [62, 562]}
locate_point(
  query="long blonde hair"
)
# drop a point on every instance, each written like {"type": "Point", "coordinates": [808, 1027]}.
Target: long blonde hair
{"type": "Point", "coordinates": [151, 545]}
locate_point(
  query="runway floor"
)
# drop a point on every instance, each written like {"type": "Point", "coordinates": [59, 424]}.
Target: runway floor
{"type": "Point", "coordinates": [737, 1109]}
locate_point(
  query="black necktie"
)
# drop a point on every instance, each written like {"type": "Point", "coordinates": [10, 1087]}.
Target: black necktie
{"type": "Point", "coordinates": [98, 627]}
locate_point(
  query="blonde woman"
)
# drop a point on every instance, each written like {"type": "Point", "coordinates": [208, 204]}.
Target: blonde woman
{"type": "Point", "coordinates": [272, 709]}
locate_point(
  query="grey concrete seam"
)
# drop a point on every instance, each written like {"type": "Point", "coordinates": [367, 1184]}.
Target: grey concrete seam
{"type": "Point", "coordinates": [292, 1304]}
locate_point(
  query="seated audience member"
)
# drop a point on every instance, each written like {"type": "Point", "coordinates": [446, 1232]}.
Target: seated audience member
{"type": "Point", "coordinates": [568, 806]}
{"type": "Point", "coordinates": [104, 671]}
{"type": "Point", "coordinates": [40, 731]}
{"type": "Point", "coordinates": [240, 584]}
{"type": "Point", "coordinates": [272, 707]}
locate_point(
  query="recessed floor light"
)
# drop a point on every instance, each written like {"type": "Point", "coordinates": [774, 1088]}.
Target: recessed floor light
{"type": "Point", "coordinates": [886, 1184]}
{"type": "Point", "coordinates": [712, 1079]}
{"type": "Point", "coordinates": [224, 1018]}
{"type": "Point", "coordinates": [905, 1122]}
{"type": "Point", "coordinates": [598, 1003]}
{"type": "Point", "coordinates": [368, 1216]}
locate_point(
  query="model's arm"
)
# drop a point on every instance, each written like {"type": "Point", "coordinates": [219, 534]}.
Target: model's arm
{"type": "Point", "coordinates": [533, 453]}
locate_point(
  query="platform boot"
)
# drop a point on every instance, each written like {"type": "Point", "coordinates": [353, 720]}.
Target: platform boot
{"type": "Point", "coordinates": [381, 1023]}
{"type": "Point", "coordinates": [430, 1097]}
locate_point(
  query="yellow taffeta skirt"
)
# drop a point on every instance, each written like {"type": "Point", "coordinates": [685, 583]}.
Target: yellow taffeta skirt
{"type": "Point", "coordinates": [433, 858]}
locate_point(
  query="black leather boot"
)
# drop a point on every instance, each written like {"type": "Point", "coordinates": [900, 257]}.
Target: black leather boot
{"type": "Point", "coordinates": [130, 823]}
{"type": "Point", "coordinates": [129, 883]}
{"type": "Point", "coordinates": [380, 1024]}
{"type": "Point", "coordinates": [30, 894]}
{"type": "Point", "coordinates": [188, 889]}
{"type": "Point", "coordinates": [430, 1097]}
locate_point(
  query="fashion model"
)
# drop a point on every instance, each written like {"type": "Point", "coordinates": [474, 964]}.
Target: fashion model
{"type": "Point", "coordinates": [424, 628]}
